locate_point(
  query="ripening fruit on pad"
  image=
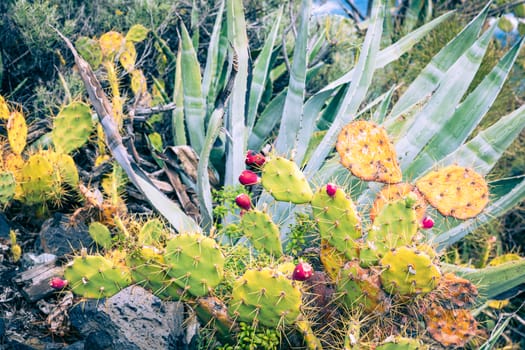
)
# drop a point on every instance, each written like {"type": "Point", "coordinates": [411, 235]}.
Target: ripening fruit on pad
{"type": "Point", "coordinates": [366, 151]}
{"type": "Point", "coordinates": [408, 271]}
{"type": "Point", "coordinates": [455, 191]}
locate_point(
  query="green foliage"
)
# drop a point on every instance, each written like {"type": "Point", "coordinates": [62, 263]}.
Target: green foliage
{"type": "Point", "coordinates": [254, 338]}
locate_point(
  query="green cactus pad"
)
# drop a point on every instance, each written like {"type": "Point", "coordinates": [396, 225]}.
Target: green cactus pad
{"type": "Point", "coordinates": [65, 168]}
{"type": "Point", "coordinates": [195, 261]}
{"type": "Point", "coordinates": [90, 50]}
{"type": "Point", "coordinates": [94, 276]}
{"type": "Point", "coordinates": [337, 220]}
{"type": "Point", "coordinates": [37, 179]}
{"type": "Point", "coordinates": [395, 226]}
{"type": "Point", "coordinates": [259, 228]}
{"type": "Point", "coordinates": [401, 343]}
{"type": "Point", "coordinates": [149, 269]}
{"type": "Point", "coordinates": [311, 341]}
{"type": "Point", "coordinates": [7, 187]}
{"type": "Point", "coordinates": [100, 234]}
{"type": "Point", "coordinates": [361, 287]}
{"type": "Point", "coordinates": [285, 181]}
{"type": "Point", "coordinates": [266, 297]}
{"type": "Point", "coordinates": [72, 127]}
{"type": "Point", "coordinates": [408, 271]}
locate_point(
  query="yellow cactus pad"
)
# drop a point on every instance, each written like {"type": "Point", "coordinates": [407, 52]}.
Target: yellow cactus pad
{"type": "Point", "coordinates": [392, 193]}
{"type": "Point", "coordinates": [17, 132]}
{"type": "Point", "coordinates": [111, 43]}
{"type": "Point", "coordinates": [332, 259]}
{"type": "Point", "coordinates": [128, 57]}
{"type": "Point", "coordinates": [4, 109]}
{"type": "Point", "coordinates": [455, 191]}
{"type": "Point", "coordinates": [366, 151]}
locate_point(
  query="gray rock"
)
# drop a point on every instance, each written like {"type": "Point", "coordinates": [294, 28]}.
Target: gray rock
{"type": "Point", "coordinates": [132, 319]}
{"type": "Point", "coordinates": [59, 237]}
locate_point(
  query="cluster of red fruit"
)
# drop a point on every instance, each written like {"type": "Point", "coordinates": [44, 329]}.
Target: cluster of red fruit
{"type": "Point", "coordinates": [249, 178]}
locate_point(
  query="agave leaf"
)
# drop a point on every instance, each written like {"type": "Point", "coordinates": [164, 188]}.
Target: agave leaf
{"type": "Point", "coordinates": [260, 73]}
{"type": "Point", "coordinates": [498, 207]}
{"type": "Point", "coordinates": [357, 90]}
{"type": "Point", "coordinates": [194, 108]}
{"type": "Point", "coordinates": [442, 104]}
{"type": "Point", "coordinates": [484, 150]}
{"type": "Point", "coordinates": [396, 50]}
{"type": "Point", "coordinates": [494, 280]}
{"type": "Point", "coordinates": [267, 121]}
{"type": "Point", "coordinates": [213, 62]}
{"type": "Point", "coordinates": [466, 117]}
{"type": "Point", "coordinates": [293, 106]}
{"type": "Point", "coordinates": [177, 115]}
{"type": "Point", "coordinates": [414, 8]}
{"type": "Point", "coordinates": [433, 73]}
{"type": "Point", "coordinates": [203, 181]}
{"type": "Point", "coordinates": [381, 112]}
{"type": "Point", "coordinates": [235, 125]}
{"type": "Point", "coordinates": [329, 113]}
{"type": "Point", "coordinates": [496, 332]}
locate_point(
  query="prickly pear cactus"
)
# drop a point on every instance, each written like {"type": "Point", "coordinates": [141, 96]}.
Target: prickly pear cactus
{"type": "Point", "coordinates": [392, 193]}
{"type": "Point", "coordinates": [408, 271]}
{"type": "Point", "coordinates": [285, 181]}
{"type": "Point", "coordinates": [394, 227]}
{"type": "Point", "coordinates": [266, 297]}
{"type": "Point", "coordinates": [332, 259]}
{"type": "Point", "coordinates": [72, 127]}
{"type": "Point", "coordinates": [100, 234]}
{"type": "Point", "coordinates": [311, 341]}
{"type": "Point", "coordinates": [94, 276]}
{"type": "Point", "coordinates": [7, 187]}
{"type": "Point", "coordinates": [401, 343]}
{"type": "Point", "coordinates": [455, 191]}
{"type": "Point", "coordinates": [337, 219]}
{"type": "Point", "coordinates": [149, 269]}
{"type": "Point", "coordinates": [455, 292]}
{"type": "Point", "coordinates": [450, 327]}
{"type": "Point", "coordinates": [262, 232]}
{"type": "Point", "coordinates": [195, 262]}
{"type": "Point", "coordinates": [362, 288]}
{"type": "Point", "coordinates": [151, 233]}
{"type": "Point", "coordinates": [38, 179]}
{"type": "Point", "coordinates": [17, 132]}
{"type": "Point", "coordinates": [367, 152]}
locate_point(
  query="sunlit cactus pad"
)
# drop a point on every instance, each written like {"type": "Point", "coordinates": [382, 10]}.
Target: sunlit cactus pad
{"type": "Point", "coordinates": [401, 343]}
{"type": "Point", "coordinates": [7, 186]}
{"type": "Point", "coordinates": [72, 127]}
{"type": "Point", "coordinates": [450, 327]}
{"type": "Point", "coordinates": [266, 297]}
{"type": "Point", "coordinates": [283, 179]}
{"type": "Point", "coordinates": [195, 261]}
{"type": "Point", "coordinates": [337, 219]}
{"type": "Point", "coordinates": [332, 259]}
{"type": "Point", "coordinates": [455, 191]}
{"type": "Point", "coordinates": [94, 276]}
{"type": "Point", "coordinates": [391, 193]}
{"type": "Point", "coordinates": [408, 271]}
{"type": "Point", "coordinates": [17, 132]}
{"type": "Point", "coordinates": [262, 232]}
{"type": "Point", "coordinates": [367, 152]}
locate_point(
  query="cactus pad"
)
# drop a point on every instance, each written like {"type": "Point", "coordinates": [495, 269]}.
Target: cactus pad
{"type": "Point", "coordinates": [366, 151]}
{"type": "Point", "coordinates": [100, 234]}
{"type": "Point", "coordinates": [332, 259]}
{"type": "Point", "coordinates": [111, 43]}
{"type": "Point", "coordinates": [17, 132]}
{"type": "Point", "coordinates": [392, 193]}
{"type": "Point", "coordinates": [151, 233]}
{"type": "Point", "coordinates": [72, 127]}
{"type": "Point", "coordinates": [7, 187]}
{"type": "Point", "coordinates": [90, 50]}
{"type": "Point", "coordinates": [362, 287]}
{"type": "Point", "coordinates": [266, 297]}
{"type": "Point", "coordinates": [195, 262]}
{"type": "Point", "coordinates": [455, 191]}
{"type": "Point", "coordinates": [37, 179]}
{"type": "Point", "coordinates": [394, 227]}
{"type": "Point", "coordinates": [337, 219]}
{"type": "Point", "coordinates": [450, 327]}
{"type": "Point", "coordinates": [4, 109]}
{"type": "Point", "coordinates": [456, 292]}
{"type": "Point", "coordinates": [285, 181]}
{"type": "Point", "coordinates": [94, 276]}
{"type": "Point", "coordinates": [259, 228]}
{"type": "Point", "coordinates": [401, 343]}
{"type": "Point", "coordinates": [408, 271]}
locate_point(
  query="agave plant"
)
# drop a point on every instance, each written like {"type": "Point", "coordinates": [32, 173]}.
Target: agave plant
{"type": "Point", "coordinates": [431, 124]}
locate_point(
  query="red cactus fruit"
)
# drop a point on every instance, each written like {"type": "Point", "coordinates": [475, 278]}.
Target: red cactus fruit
{"type": "Point", "coordinates": [427, 222]}
{"type": "Point", "coordinates": [331, 189]}
{"type": "Point", "coordinates": [255, 159]}
{"type": "Point", "coordinates": [57, 283]}
{"type": "Point", "coordinates": [302, 272]}
{"type": "Point", "coordinates": [248, 178]}
{"type": "Point", "coordinates": [244, 201]}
